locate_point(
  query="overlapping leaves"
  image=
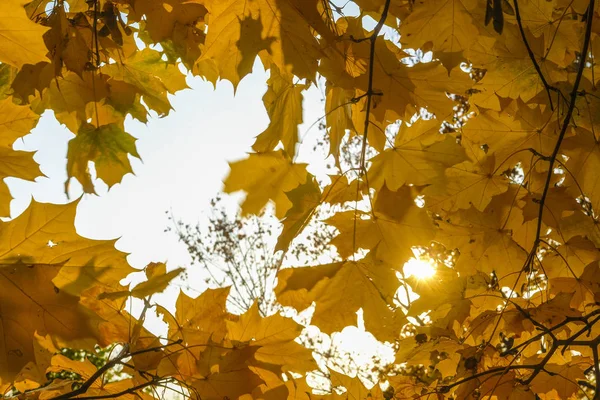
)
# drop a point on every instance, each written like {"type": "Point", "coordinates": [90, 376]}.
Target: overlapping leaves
{"type": "Point", "coordinates": [495, 163]}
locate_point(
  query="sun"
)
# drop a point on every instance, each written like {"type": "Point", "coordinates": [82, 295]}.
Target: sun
{"type": "Point", "coordinates": [419, 268]}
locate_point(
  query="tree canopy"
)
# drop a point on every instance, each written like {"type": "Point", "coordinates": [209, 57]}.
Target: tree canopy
{"type": "Point", "coordinates": [462, 133]}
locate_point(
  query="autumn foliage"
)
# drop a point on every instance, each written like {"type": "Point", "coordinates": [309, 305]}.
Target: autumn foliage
{"type": "Point", "coordinates": [477, 123]}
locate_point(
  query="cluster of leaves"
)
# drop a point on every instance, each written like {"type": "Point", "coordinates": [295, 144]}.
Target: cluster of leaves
{"type": "Point", "coordinates": [478, 144]}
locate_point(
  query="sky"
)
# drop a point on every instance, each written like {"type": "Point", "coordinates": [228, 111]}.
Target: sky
{"type": "Point", "coordinates": [184, 159]}
{"type": "Point", "coordinates": [184, 156]}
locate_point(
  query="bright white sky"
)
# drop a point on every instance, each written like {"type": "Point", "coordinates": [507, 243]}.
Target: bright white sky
{"type": "Point", "coordinates": [184, 160]}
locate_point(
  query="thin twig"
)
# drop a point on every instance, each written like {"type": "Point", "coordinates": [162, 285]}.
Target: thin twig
{"type": "Point", "coordinates": [369, 94]}
{"type": "Point", "coordinates": [567, 119]}
{"type": "Point", "coordinates": [547, 86]}
{"type": "Point", "coordinates": [125, 353]}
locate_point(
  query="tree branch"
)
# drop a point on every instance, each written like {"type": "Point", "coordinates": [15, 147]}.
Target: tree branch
{"type": "Point", "coordinates": [125, 353]}
{"type": "Point", "coordinates": [547, 86]}
{"type": "Point", "coordinates": [370, 93]}
{"type": "Point", "coordinates": [567, 119]}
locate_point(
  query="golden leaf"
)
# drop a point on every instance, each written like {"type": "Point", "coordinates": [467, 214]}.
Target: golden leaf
{"type": "Point", "coordinates": [419, 155]}
{"type": "Point", "coordinates": [108, 146]}
{"type": "Point", "coordinates": [305, 199]}
{"type": "Point", "coordinates": [283, 101]}
{"type": "Point", "coordinates": [339, 290]}
{"type": "Point", "coordinates": [274, 337]}
{"type": "Point", "coordinates": [265, 176]}
{"type": "Point", "coordinates": [21, 39]}
{"type": "Point", "coordinates": [31, 303]}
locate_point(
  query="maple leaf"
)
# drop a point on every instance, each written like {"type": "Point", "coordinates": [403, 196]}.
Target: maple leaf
{"type": "Point", "coordinates": [420, 154]}
{"type": "Point", "coordinates": [305, 199]}
{"type": "Point", "coordinates": [467, 184]}
{"type": "Point", "coordinates": [510, 135]}
{"type": "Point", "coordinates": [233, 31]}
{"type": "Point", "coordinates": [70, 95]}
{"type": "Point", "coordinates": [224, 373]}
{"type": "Point", "coordinates": [108, 146]}
{"type": "Point", "coordinates": [15, 121]}
{"type": "Point", "coordinates": [584, 156]}
{"type": "Point", "coordinates": [232, 359]}
{"type": "Point", "coordinates": [485, 242]}
{"type": "Point", "coordinates": [45, 234]}
{"type": "Point", "coordinates": [274, 29]}
{"type": "Point", "coordinates": [265, 176]}
{"type": "Point", "coordinates": [31, 303]}
{"type": "Point", "coordinates": [18, 164]}
{"type": "Point", "coordinates": [162, 18]}
{"type": "Point", "coordinates": [338, 115]}
{"type": "Point", "coordinates": [86, 370]}
{"type": "Point", "coordinates": [450, 25]}
{"type": "Point", "coordinates": [112, 324]}
{"type": "Point", "coordinates": [569, 373]}
{"type": "Point", "coordinates": [22, 41]}
{"type": "Point", "coordinates": [274, 337]}
{"type": "Point", "coordinates": [283, 101]}
{"type": "Point", "coordinates": [446, 296]}
{"type": "Point", "coordinates": [354, 388]}
{"type": "Point", "coordinates": [339, 290]}
{"type": "Point", "coordinates": [177, 25]}
{"type": "Point", "coordinates": [33, 374]}
{"type": "Point", "coordinates": [151, 77]}
{"type": "Point", "coordinates": [340, 191]}
{"type": "Point", "coordinates": [510, 72]}
{"type": "Point", "coordinates": [158, 280]}
{"type": "Point", "coordinates": [401, 89]}
{"type": "Point", "coordinates": [196, 321]}
{"type": "Point", "coordinates": [570, 258]}
{"type": "Point", "coordinates": [395, 226]}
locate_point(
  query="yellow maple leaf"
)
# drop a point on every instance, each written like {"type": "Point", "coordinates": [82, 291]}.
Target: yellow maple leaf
{"type": "Point", "coordinates": [108, 146]}
{"type": "Point", "coordinates": [18, 164]}
{"type": "Point", "coordinates": [162, 17]}
{"type": "Point", "coordinates": [584, 158]}
{"type": "Point", "coordinates": [283, 101]}
{"type": "Point", "coordinates": [484, 239]}
{"type": "Point", "coordinates": [510, 72]}
{"type": "Point", "coordinates": [151, 76]}
{"type": "Point", "coordinates": [274, 337]}
{"type": "Point", "coordinates": [225, 373]}
{"type": "Point", "coordinates": [305, 199]}
{"type": "Point", "coordinates": [31, 303]}
{"type": "Point", "coordinates": [275, 30]}
{"type": "Point", "coordinates": [45, 234]}
{"type": "Point", "coordinates": [86, 370]}
{"type": "Point", "coordinates": [451, 25]}
{"type": "Point", "coordinates": [15, 121]}
{"type": "Point", "coordinates": [196, 321]}
{"type": "Point", "coordinates": [419, 155]}
{"type": "Point", "coordinates": [466, 184]}
{"type": "Point", "coordinates": [392, 229]}
{"type": "Point", "coordinates": [340, 289]}
{"type": "Point", "coordinates": [21, 39]}
{"type": "Point", "coordinates": [265, 176]}
{"type": "Point", "coordinates": [158, 280]}
{"type": "Point", "coordinates": [338, 115]}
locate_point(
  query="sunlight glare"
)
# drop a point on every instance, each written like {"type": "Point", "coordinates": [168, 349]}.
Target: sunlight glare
{"type": "Point", "coordinates": [419, 268]}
